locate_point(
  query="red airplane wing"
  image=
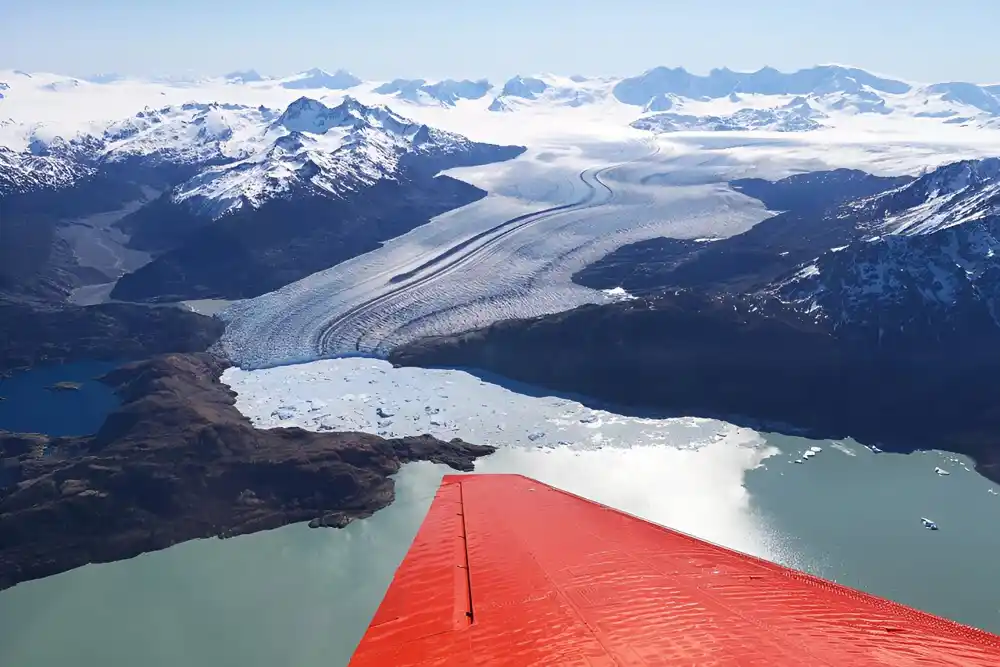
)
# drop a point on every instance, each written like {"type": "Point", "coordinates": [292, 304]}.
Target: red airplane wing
{"type": "Point", "coordinates": [506, 570]}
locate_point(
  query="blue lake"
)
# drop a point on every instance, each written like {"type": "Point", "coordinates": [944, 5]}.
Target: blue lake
{"type": "Point", "coordinates": [29, 404]}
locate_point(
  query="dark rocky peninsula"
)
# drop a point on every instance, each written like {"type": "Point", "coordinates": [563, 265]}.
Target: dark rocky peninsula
{"type": "Point", "coordinates": [177, 462]}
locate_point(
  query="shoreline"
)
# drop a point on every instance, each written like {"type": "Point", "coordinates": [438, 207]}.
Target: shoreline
{"type": "Point", "coordinates": [764, 426]}
{"type": "Point", "coordinates": [680, 356]}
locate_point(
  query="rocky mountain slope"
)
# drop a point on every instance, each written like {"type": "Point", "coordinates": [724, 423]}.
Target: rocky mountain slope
{"type": "Point", "coordinates": [326, 151]}
{"type": "Point", "coordinates": [33, 334]}
{"type": "Point", "coordinates": [25, 172]}
{"type": "Point", "coordinates": [320, 185]}
{"type": "Point", "coordinates": [252, 198]}
{"type": "Point", "coordinates": [253, 251]}
{"type": "Point", "coordinates": [808, 225]}
{"type": "Point", "coordinates": [923, 262]}
{"type": "Point", "coordinates": [886, 259]}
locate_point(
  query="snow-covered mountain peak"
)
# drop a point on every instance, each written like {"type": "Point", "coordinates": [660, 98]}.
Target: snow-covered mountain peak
{"type": "Point", "coordinates": [969, 94]}
{"type": "Point", "coordinates": [320, 150]}
{"type": "Point", "coordinates": [84, 148]}
{"type": "Point", "coordinates": [25, 172]}
{"type": "Point", "coordinates": [291, 142]}
{"type": "Point", "coordinates": [240, 155]}
{"type": "Point", "coordinates": [798, 102]}
{"type": "Point", "coordinates": [449, 91]}
{"type": "Point", "coordinates": [953, 178]}
{"type": "Point", "coordinates": [190, 133]}
{"type": "Point", "coordinates": [836, 80]}
{"type": "Point", "coordinates": [549, 90]}
{"type": "Point", "coordinates": [792, 117]}
{"type": "Point", "coordinates": [309, 115]}
{"type": "Point", "coordinates": [407, 89]}
{"type": "Point", "coordinates": [243, 76]}
{"type": "Point", "coordinates": [526, 87]}
{"type": "Point", "coordinates": [446, 92]}
{"type": "Point", "coordinates": [316, 78]}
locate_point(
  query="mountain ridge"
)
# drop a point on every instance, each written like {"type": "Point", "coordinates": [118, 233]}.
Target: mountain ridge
{"type": "Point", "coordinates": [211, 161]}
{"type": "Point", "coordinates": [885, 260]}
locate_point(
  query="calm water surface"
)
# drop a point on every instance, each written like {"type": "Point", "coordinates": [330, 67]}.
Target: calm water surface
{"type": "Point", "coordinates": [304, 597]}
{"type": "Point", "coordinates": [853, 516]}
{"type": "Point", "coordinates": [30, 406]}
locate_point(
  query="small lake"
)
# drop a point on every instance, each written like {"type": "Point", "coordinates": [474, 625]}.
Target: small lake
{"type": "Point", "coordinates": [31, 405]}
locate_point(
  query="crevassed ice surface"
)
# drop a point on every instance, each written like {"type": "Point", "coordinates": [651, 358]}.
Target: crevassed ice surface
{"type": "Point", "coordinates": [564, 204]}
{"type": "Point", "coordinates": [511, 254]}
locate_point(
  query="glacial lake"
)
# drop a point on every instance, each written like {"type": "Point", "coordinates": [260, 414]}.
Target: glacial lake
{"type": "Point", "coordinates": [304, 597]}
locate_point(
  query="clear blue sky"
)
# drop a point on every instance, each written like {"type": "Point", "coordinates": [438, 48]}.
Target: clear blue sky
{"type": "Point", "coordinates": [924, 40]}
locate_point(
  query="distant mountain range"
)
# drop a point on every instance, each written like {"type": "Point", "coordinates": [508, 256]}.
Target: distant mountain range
{"type": "Point", "coordinates": [221, 162]}
{"type": "Point", "coordinates": [722, 100]}
{"type": "Point", "coordinates": [446, 92]}
{"type": "Point", "coordinates": [244, 155]}
{"type": "Point", "coordinates": [795, 116]}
